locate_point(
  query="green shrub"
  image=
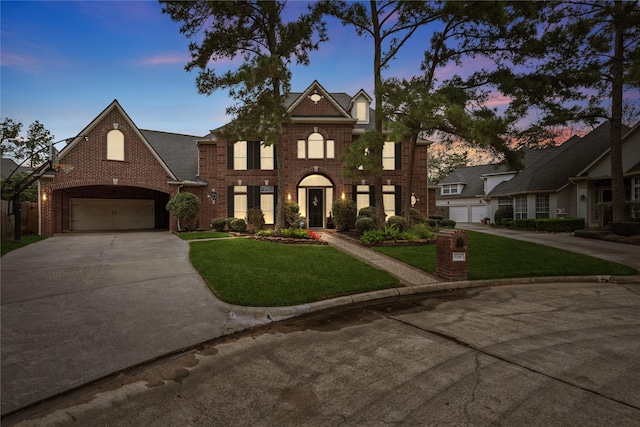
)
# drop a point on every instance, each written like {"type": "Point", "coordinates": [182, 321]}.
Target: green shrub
{"type": "Point", "coordinates": [525, 223]}
{"type": "Point", "coordinates": [365, 223]}
{"type": "Point", "coordinates": [238, 225]}
{"type": "Point", "coordinates": [505, 212]}
{"type": "Point", "coordinates": [398, 221]}
{"type": "Point", "coordinates": [421, 231]}
{"type": "Point", "coordinates": [436, 217]}
{"type": "Point", "coordinates": [218, 224]}
{"type": "Point", "coordinates": [255, 219]}
{"type": "Point", "coordinates": [448, 223]}
{"type": "Point", "coordinates": [265, 233]}
{"type": "Point", "coordinates": [292, 215]}
{"type": "Point", "coordinates": [372, 237]}
{"type": "Point", "coordinates": [344, 214]}
{"type": "Point", "coordinates": [294, 233]}
{"type": "Point", "coordinates": [369, 212]}
{"type": "Point", "coordinates": [431, 222]}
{"type": "Point", "coordinates": [229, 222]}
{"type": "Point", "coordinates": [625, 228]}
{"type": "Point", "coordinates": [415, 217]}
{"type": "Point", "coordinates": [183, 206]}
{"type": "Point", "coordinates": [506, 222]}
{"type": "Point", "coordinates": [560, 225]}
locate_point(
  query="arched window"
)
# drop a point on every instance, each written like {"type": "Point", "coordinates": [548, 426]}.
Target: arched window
{"type": "Point", "coordinates": [316, 146]}
{"type": "Point", "coordinates": [115, 145]}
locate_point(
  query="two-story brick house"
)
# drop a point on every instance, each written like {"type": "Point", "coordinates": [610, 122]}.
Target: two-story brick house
{"type": "Point", "coordinates": [117, 176]}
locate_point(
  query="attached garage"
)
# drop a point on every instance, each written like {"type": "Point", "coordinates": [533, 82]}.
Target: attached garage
{"type": "Point", "coordinates": [112, 214]}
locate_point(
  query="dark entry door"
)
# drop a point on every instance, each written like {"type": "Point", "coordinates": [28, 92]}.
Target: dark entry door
{"type": "Point", "coordinates": [316, 208]}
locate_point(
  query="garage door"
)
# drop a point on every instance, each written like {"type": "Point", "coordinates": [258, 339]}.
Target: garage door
{"type": "Point", "coordinates": [478, 213]}
{"type": "Point", "coordinates": [111, 214]}
{"type": "Point", "coordinates": [459, 213]}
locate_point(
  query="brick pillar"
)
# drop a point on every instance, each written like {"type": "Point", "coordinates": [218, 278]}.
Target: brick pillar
{"type": "Point", "coordinates": [452, 250]}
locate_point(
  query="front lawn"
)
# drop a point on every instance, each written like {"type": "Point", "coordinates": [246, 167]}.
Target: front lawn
{"type": "Point", "coordinates": [494, 257]}
{"type": "Point", "coordinates": [8, 245]}
{"type": "Point", "coordinates": [257, 273]}
{"type": "Point", "coordinates": [197, 235]}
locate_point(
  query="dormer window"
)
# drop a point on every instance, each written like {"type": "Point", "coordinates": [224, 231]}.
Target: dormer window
{"type": "Point", "coordinates": [449, 189]}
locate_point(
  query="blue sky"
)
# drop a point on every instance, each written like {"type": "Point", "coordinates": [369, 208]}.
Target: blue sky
{"type": "Point", "coordinates": [63, 62]}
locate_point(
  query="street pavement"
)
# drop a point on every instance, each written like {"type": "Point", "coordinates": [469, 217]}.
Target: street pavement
{"type": "Point", "coordinates": [535, 355]}
{"type": "Point", "coordinates": [97, 304]}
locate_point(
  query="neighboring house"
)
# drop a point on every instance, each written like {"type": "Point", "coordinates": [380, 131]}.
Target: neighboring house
{"type": "Point", "coordinates": [9, 165]}
{"type": "Point", "coordinates": [117, 176]}
{"type": "Point", "coordinates": [565, 181]}
{"type": "Point", "coordinates": [461, 196]}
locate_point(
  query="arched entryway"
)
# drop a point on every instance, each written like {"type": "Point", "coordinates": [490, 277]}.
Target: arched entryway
{"type": "Point", "coordinates": [315, 197]}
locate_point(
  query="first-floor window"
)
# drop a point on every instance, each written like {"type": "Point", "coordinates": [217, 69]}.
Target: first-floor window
{"type": "Point", "coordinates": [245, 197]}
{"type": "Point", "coordinates": [240, 201]}
{"type": "Point", "coordinates": [363, 197]}
{"type": "Point", "coordinates": [389, 200]}
{"type": "Point", "coordinates": [520, 210]}
{"type": "Point", "coordinates": [636, 188]}
{"type": "Point", "coordinates": [542, 206]}
{"type": "Point", "coordinates": [504, 201]}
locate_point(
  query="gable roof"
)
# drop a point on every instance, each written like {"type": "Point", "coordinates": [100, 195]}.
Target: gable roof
{"type": "Point", "coordinates": [626, 134]}
{"type": "Point", "coordinates": [471, 177]}
{"type": "Point", "coordinates": [552, 172]}
{"type": "Point", "coordinates": [178, 151]}
{"type": "Point", "coordinates": [115, 105]}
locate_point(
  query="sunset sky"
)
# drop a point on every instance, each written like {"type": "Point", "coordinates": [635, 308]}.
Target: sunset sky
{"type": "Point", "coordinates": [63, 62]}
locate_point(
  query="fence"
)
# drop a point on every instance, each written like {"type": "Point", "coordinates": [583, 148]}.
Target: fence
{"type": "Point", "coordinates": [29, 219]}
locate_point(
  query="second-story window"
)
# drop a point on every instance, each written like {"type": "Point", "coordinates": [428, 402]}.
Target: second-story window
{"type": "Point", "coordinates": [316, 147]}
{"type": "Point", "coordinates": [244, 155]}
{"type": "Point", "coordinates": [115, 145]}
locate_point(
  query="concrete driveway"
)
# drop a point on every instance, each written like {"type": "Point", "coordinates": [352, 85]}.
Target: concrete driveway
{"type": "Point", "coordinates": [527, 355]}
{"type": "Point", "coordinates": [77, 307]}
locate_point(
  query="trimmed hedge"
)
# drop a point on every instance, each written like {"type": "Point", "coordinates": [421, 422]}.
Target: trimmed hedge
{"type": "Point", "coordinates": [344, 214]}
{"type": "Point", "coordinates": [448, 223]}
{"type": "Point", "coordinates": [399, 221]}
{"type": "Point", "coordinates": [560, 225]}
{"type": "Point", "coordinates": [625, 228]}
{"type": "Point", "coordinates": [505, 212]}
{"type": "Point", "coordinates": [238, 225]}
{"type": "Point", "coordinates": [525, 223]}
{"type": "Point", "coordinates": [365, 223]}
{"type": "Point", "coordinates": [218, 224]}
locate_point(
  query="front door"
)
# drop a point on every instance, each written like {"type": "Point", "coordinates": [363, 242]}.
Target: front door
{"type": "Point", "coordinates": [316, 207]}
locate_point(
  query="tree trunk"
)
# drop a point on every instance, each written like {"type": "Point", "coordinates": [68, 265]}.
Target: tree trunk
{"type": "Point", "coordinates": [617, 72]}
{"type": "Point", "coordinates": [406, 195]}
{"type": "Point", "coordinates": [376, 152]}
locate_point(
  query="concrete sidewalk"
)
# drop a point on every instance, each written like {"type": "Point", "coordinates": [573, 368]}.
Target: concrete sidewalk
{"type": "Point", "coordinates": [408, 275]}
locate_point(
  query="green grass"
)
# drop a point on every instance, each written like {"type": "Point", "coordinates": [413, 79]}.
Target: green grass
{"type": "Point", "coordinates": [494, 257]}
{"type": "Point", "coordinates": [8, 245]}
{"type": "Point", "coordinates": [258, 273]}
{"type": "Point", "coordinates": [196, 235]}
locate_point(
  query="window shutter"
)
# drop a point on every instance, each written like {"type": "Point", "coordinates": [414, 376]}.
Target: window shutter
{"type": "Point", "coordinates": [230, 156]}
{"type": "Point", "coordinates": [230, 208]}
{"type": "Point", "coordinates": [354, 193]}
{"type": "Point", "coordinates": [253, 155]}
{"type": "Point", "coordinates": [398, 156]}
{"type": "Point", "coordinates": [372, 195]}
{"type": "Point", "coordinates": [253, 196]}
{"type": "Point", "coordinates": [398, 199]}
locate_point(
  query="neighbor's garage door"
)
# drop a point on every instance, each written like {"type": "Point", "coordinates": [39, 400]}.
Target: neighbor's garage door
{"type": "Point", "coordinates": [478, 213]}
{"type": "Point", "coordinates": [111, 214]}
{"type": "Point", "coordinates": [459, 213]}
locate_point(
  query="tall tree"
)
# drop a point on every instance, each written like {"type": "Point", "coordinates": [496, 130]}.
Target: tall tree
{"type": "Point", "coordinates": [35, 146]}
{"type": "Point", "coordinates": [390, 24]}
{"type": "Point", "coordinates": [585, 60]}
{"type": "Point", "coordinates": [458, 106]}
{"type": "Point", "coordinates": [10, 131]}
{"type": "Point", "coordinates": [256, 32]}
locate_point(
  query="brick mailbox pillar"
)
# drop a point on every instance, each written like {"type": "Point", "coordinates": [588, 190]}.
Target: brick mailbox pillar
{"type": "Point", "coordinates": [452, 250]}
